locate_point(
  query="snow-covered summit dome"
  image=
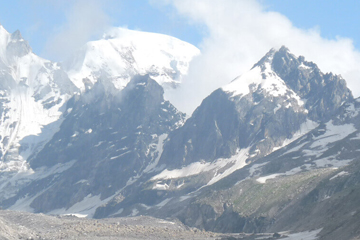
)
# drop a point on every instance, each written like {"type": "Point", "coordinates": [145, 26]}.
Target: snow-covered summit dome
{"type": "Point", "coordinates": [123, 53]}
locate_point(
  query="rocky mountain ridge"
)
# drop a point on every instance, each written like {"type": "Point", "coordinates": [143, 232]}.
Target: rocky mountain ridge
{"type": "Point", "coordinates": [235, 143]}
{"type": "Point", "coordinates": [37, 94]}
{"type": "Point", "coordinates": [278, 141]}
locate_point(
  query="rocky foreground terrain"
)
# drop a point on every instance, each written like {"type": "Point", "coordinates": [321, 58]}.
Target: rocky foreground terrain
{"type": "Point", "coordinates": [23, 225]}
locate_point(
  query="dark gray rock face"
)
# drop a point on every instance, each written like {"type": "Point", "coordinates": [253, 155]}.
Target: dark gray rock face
{"type": "Point", "coordinates": [212, 132]}
{"type": "Point", "coordinates": [105, 140]}
{"type": "Point", "coordinates": [220, 126]}
{"type": "Point", "coordinates": [324, 93]}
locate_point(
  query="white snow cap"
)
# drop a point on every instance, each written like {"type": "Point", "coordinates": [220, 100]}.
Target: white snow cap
{"type": "Point", "coordinates": [122, 53]}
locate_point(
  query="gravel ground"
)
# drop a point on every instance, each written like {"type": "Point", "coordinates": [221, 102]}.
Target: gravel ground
{"type": "Point", "coordinates": [22, 225]}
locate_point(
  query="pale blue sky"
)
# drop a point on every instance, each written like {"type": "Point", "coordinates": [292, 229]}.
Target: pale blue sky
{"type": "Point", "coordinates": [333, 17]}
{"type": "Point", "coordinates": [38, 20]}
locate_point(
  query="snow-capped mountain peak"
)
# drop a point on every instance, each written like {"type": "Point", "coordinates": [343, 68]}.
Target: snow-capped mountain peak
{"type": "Point", "coordinates": [257, 113]}
{"type": "Point", "coordinates": [17, 46]}
{"type": "Point", "coordinates": [263, 79]}
{"type": "Point", "coordinates": [32, 91]}
{"type": "Point", "coordinates": [281, 73]}
{"type": "Point", "coordinates": [123, 53]}
{"type": "Point", "coordinates": [258, 77]}
{"type": "Point", "coordinates": [268, 57]}
{"type": "Point", "coordinates": [12, 46]}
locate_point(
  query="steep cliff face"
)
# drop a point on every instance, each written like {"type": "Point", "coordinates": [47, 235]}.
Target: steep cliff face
{"type": "Point", "coordinates": [107, 141]}
{"type": "Point", "coordinates": [279, 99]}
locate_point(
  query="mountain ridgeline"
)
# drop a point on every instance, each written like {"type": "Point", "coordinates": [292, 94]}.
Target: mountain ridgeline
{"type": "Point", "coordinates": [94, 136]}
{"type": "Point", "coordinates": [296, 92]}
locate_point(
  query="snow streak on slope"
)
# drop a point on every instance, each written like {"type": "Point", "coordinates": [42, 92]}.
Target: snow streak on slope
{"type": "Point", "coordinates": [84, 208]}
{"type": "Point", "coordinates": [305, 127]}
{"type": "Point", "coordinates": [314, 149]}
{"type": "Point", "coordinates": [333, 133]}
{"type": "Point", "coordinates": [156, 154]}
{"type": "Point", "coordinates": [122, 53]}
{"type": "Point", "coordinates": [226, 165]}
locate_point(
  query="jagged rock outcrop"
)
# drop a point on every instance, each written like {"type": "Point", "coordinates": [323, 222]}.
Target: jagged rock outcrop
{"type": "Point", "coordinates": [107, 140]}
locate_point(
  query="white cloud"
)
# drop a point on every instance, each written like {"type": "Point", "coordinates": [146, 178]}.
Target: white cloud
{"type": "Point", "coordinates": [240, 33]}
{"type": "Point", "coordinates": [85, 19]}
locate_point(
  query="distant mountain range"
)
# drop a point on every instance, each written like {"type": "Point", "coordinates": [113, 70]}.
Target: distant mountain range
{"type": "Point", "coordinates": [274, 150]}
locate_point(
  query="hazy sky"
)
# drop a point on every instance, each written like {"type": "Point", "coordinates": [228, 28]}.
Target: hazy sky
{"type": "Point", "coordinates": [232, 34]}
{"type": "Point", "coordinates": [39, 20]}
{"type": "Point", "coordinates": [42, 21]}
